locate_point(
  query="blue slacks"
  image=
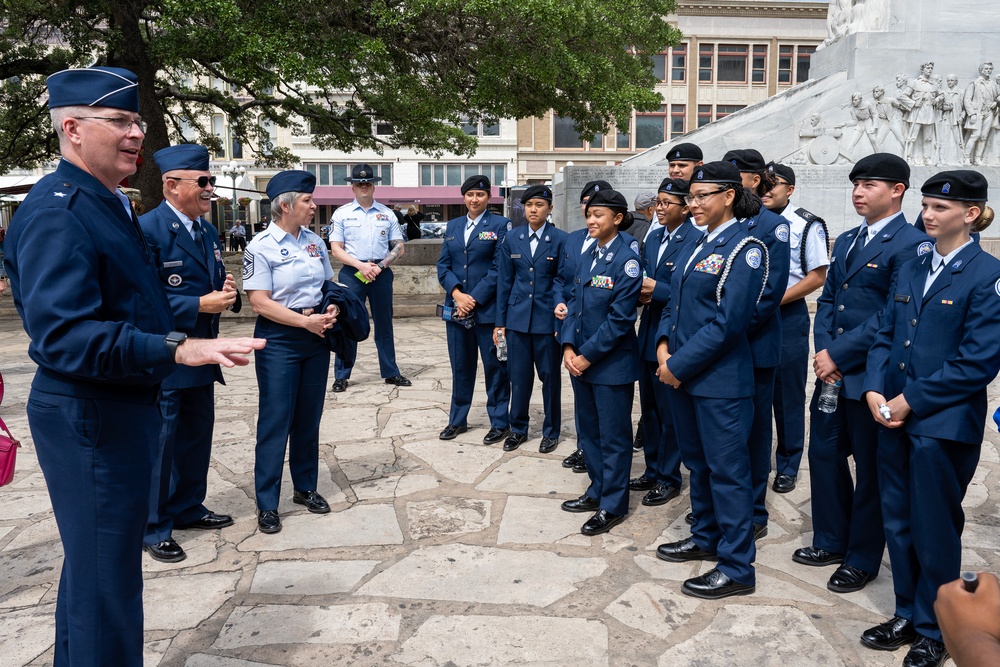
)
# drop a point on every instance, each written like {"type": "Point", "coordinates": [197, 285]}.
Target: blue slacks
{"type": "Point", "coordinates": [526, 354]}
{"type": "Point", "coordinates": [790, 388]}
{"type": "Point", "coordinates": [604, 414]}
{"type": "Point", "coordinates": [379, 295]}
{"type": "Point", "coordinates": [759, 440]}
{"type": "Point", "coordinates": [465, 346]}
{"type": "Point", "coordinates": [660, 449]}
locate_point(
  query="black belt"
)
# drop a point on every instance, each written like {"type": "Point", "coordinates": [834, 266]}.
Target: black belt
{"type": "Point", "coordinates": [373, 261]}
{"type": "Point", "coordinates": [300, 310]}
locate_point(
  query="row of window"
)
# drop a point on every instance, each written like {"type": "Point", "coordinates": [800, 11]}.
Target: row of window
{"type": "Point", "coordinates": [733, 63]}
{"type": "Point", "coordinates": [430, 174]}
{"type": "Point", "coordinates": [337, 173]}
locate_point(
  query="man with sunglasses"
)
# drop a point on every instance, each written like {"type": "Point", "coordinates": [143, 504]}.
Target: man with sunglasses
{"type": "Point", "coordinates": [186, 254]}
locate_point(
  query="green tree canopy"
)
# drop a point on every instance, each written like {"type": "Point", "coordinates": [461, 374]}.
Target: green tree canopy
{"type": "Point", "coordinates": [420, 65]}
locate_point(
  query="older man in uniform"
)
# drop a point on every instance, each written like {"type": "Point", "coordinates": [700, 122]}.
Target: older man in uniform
{"type": "Point", "coordinates": [186, 253]}
{"type": "Point", "coordinates": [367, 239]}
{"type": "Point", "coordinates": [101, 332]}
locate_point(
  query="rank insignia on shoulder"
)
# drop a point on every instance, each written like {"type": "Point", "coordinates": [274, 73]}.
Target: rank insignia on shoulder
{"type": "Point", "coordinates": [603, 282]}
{"type": "Point", "coordinates": [632, 268]}
{"type": "Point", "coordinates": [781, 232]}
{"type": "Point", "coordinates": [487, 236]}
{"type": "Point", "coordinates": [247, 265]}
{"type": "Point", "coordinates": [924, 248]}
{"type": "Point", "coordinates": [754, 256]}
{"type": "Point", "coordinates": [711, 264]}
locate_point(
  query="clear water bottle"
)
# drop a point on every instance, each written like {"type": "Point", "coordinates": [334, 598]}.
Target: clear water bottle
{"type": "Point", "coordinates": [828, 396]}
{"type": "Point", "coordinates": [501, 346]}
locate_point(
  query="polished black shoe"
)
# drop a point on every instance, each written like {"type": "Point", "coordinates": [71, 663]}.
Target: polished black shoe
{"type": "Point", "coordinates": [685, 550]}
{"type": "Point", "coordinates": [601, 522]}
{"type": "Point", "coordinates": [891, 635]}
{"type": "Point", "coordinates": [166, 551]}
{"type": "Point", "coordinates": [268, 521]}
{"type": "Point", "coordinates": [689, 518]}
{"type": "Point", "coordinates": [314, 502]}
{"type": "Point", "coordinates": [714, 585]}
{"type": "Point", "coordinates": [513, 441]}
{"type": "Point", "coordinates": [210, 521]}
{"type": "Point", "coordinates": [580, 466]}
{"type": "Point", "coordinates": [759, 531]}
{"type": "Point", "coordinates": [450, 432]}
{"type": "Point", "coordinates": [399, 381]}
{"type": "Point", "coordinates": [582, 504]}
{"type": "Point", "coordinates": [816, 557]}
{"type": "Point", "coordinates": [783, 483]}
{"type": "Point", "coordinates": [660, 495]}
{"type": "Point", "coordinates": [638, 441]}
{"type": "Point", "coordinates": [848, 579]}
{"type": "Point", "coordinates": [641, 483]}
{"type": "Point", "coordinates": [495, 435]}
{"type": "Point", "coordinates": [340, 385]}
{"type": "Point", "coordinates": [926, 652]}
{"type": "Point", "coordinates": [573, 459]}
{"type": "Point", "coordinates": [548, 445]}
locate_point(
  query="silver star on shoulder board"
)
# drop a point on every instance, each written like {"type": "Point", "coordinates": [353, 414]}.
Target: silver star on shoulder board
{"type": "Point", "coordinates": [59, 194]}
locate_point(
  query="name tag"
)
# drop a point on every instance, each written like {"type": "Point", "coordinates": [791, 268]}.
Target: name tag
{"type": "Point", "coordinates": [711, 264]}
{"type": "Point", "coordinates": [172, 265]}
{"type": "Point", "coordinates": [487, 236]}
{"type": "Point", "coordinates": [603, 282]}
{"type": "Point", "coordinates": [902, 298]}
{"type": "Point", "coordinates": [517, 256]}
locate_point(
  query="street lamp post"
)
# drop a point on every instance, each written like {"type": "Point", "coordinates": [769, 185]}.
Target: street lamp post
{"type": "Point", "coordinates": [235, 172]}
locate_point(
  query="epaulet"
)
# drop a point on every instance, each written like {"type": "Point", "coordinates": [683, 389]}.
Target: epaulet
{"type": "Point", "coordinates": [60, 194]}
{"type": "Point", "coordinates": [807, 215]}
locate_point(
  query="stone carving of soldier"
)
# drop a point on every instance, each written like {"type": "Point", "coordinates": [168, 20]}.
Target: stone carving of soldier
{"type": "Point", "coordinates": [950, 134]}
{"type": "Point", "coordinates": [922, 117]}
{"type": "Point", "coordinates": [979, 104]}
{"type": "Point", "coordinates": [888, 118]}
{"type": "Point", "coordinates": [863, 120]}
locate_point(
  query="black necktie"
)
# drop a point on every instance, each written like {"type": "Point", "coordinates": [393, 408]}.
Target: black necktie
{"type": "Point", "coordinates": [856, 250]}
{"type": "Point", "coordinates": [533, 242]}
{"type": "Point", "coordinates": [196, 233]}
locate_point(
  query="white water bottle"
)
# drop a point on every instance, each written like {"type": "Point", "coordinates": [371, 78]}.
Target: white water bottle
{"type": "Point", "coordinates": [501, 346]}
{"type": "Point", "coordinates": [828, 396]}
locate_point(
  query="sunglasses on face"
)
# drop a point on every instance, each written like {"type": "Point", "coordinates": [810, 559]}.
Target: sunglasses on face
{"type": "Point", "coordinates": [202, 181]}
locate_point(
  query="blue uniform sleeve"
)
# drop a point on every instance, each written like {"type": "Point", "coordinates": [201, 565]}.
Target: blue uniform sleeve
{"type": "Point", "coordinates": [620, 319]}
{"type": "Point", "coordinates": [778, 257]}
{"type": "Point", "coordinates": [565, 276]}
{"type": "Point", "coordinates": [878, 355]}
{"type": "Point", "coordinates": [449, 281]}
{"type": "Point", "coordinates": [823, 321]}
{"type": "Point", "coordinates": [486, 289]}
{"type": "Point", "coordinates": [505, 282]}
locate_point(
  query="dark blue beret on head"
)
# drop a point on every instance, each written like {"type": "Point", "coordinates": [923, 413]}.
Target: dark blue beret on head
{"type": "Point", "coordinates": [609, 198]}
{"type": "Point", "coordinates": [959, 185]}
{"type": "Point", "coordinates": [685, 153]}
{"type": "Point", "coordinates": [537, 192]}
{"type": "Point", "coordinates": [293, 180]}
{"type": "Point", "coordinates": [717, 172]}
{"type": "Point", "coordinates": [674, 186]}
{"type": "Point", "coordinates": [479, 182]}
{"type": "Point", "coordinates": [746, 159]}
{"type": "Point", "coordinates": [593, 186]}
{"type": "Point", "coordinates": [782, 171]}
{"type": "Point", "coordinates": [881, 167]}
{"type": "Point", "coordinates": [183, 156]}
{"type": "Point", "coordinates": [94, 87]}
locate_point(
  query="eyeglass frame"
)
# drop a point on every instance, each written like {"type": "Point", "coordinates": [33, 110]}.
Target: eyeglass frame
{"type": "Point", "coordinates": [667, 202]}
{"type": "Point", "coordinates": [207, 179]}
{"type": "Point", "coordinates": [700, 199]}
{"type": "Point", "coordinates": [118, 122]}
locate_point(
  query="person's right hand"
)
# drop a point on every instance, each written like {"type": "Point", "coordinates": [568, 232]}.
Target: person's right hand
{"type": "Point", "coordinates": [318, 323]}
{"type": "Point", "coordinates": [464, 303]}
{"type": "Point", "coordinates": [825, 368]}
{"type": "Point", "coordinates": [560, 311]}
{"type": "Point", "coordinates": [226, 352]}
{"type": "Point", "coordinates": [970, 622]}
{"type": "Point", "coordinates": [369, 271]}
{"type": "Point", "coordinates": [216, 302]}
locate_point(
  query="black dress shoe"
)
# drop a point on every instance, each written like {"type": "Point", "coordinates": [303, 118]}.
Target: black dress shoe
{"type": "Point", "coordinates": [268, 521]}
{"type": "Point", "coordinates": [450, 432]}
{"type": "Point", "coordinates": [513, 441]}
{"type": "Point", "coordinates": [816, 557]}
{"type": "Point", "coordinates": [340, 385]}
{"type": "Point", "coordinates": [660, 495]}
{"type": "Point", "coordinates": [759, 531]}
{"type": "Point", "coordinates": [582, 504]}
{"type": "Point", "coordinates": [210, 521]}
{"type": "Point", "coordinates": [573, 459]}
{"type": "Point", "coordinates": [641, 483]}
{"type": "Point", "coordinates": [399, 381]}
{"type": "Point", "coordinates": [689, 518]}
{"type": "Point", "coordinates": [495, 435]}
{"type": "Point", "coordinates": [783, 483]}
{"type": "Point", "coordinates": [548, 445]}
{"type": "Point", "coordinates": [889, 636]}
{"type": "Point", "coordinates": [638, 441]}
{"type": "Point", "coordinates": [601, 522]}
{"type": "Point", "coordinates": [714, 585]}
{"type": "Point", "coordinates": [848, 579]}
{"type": "Point", "coordinates": [166, 551]}
{"type": "Point", "coordinates": [314, 502]}
{"type": "Point", "coordinates": [580, 466]}
{"type": "Point", "coordinates": [926, 652]}
{"type": "Point", "coordinates": [685, 550]}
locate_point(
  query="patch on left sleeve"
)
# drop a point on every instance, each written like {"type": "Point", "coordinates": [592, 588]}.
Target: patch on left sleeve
{"type": "Point", "coordinates": [754, 256]}
{"type": "Point", "coordinates": [781, 231]}
{"type": "Point", "coordinates": [247, 264]}
{"type": "Point", "coordinates": [632, 268]}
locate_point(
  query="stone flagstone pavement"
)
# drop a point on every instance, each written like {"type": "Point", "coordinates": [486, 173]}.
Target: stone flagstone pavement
{"type": "Point", "coordinates": [442, 553]}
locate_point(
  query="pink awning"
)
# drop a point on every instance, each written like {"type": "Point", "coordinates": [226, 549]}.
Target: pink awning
{"type": "Point", "coordinates": [338, 195]}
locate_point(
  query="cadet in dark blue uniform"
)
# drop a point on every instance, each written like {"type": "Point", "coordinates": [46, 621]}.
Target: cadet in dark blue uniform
{"type": "Point", "coordinates": [662, 477]}
{"type": "Point", "coordinates": [765, 331]}
{"type": "Point", "coordinates": [528, 265]}
{"type": "Point", "coordinates": [467, 270]}
{"type": "Point", "coordinates": [601, 353]}
{"type": "Point", "coordinates": [704, 352]}
{"type": "Point", "coordinates": [186, 254]}
{"type": "Point", "coordinates": [847, 518]}
{"type": "Point", "coordinates": [935, 354]}
{"type": "Point", "coordinates": [284, 268]}
{"type": "Point", "coordinates": [91, 302]}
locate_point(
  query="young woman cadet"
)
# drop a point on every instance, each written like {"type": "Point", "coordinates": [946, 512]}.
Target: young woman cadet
{"type": "Point", "coordinates": [528, 264]}
{"type": "Point", "coordinates": [704, 352]}
{"type": "Point", "coordinates": [936, 352]}
{"type": "Point", "coordinates": [601, 353]}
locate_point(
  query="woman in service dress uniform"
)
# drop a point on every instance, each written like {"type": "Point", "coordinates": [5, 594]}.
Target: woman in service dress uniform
{"type": "Point", "coordinates": [936, 352]}
{"type": "Point", "coordinates": [703, 351]}
{"type": "Point", "coordinates": [601, 353]}
{"type": "Point", "coordinates": [284, 269]}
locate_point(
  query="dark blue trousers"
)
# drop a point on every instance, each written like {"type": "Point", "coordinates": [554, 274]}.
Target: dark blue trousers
{"type": "Point", "coordinates": [292, 370]}
{"type": "Point", "coordinates": [790, 388]}
{"type": "Point", "coordinates": [379, 295]}
{"type": "Point", "coordinates": [97, 458]}
{"type": "Point", "coordinates": [712, 433]}
{"type": "Point", "coordinates": [759, 440]}
{"type": "Point", "coordinates": [465, 346]}
{"type": "Point", "coordinates": [923, 481]}
{"type": "Point", "coordinates": [526, 354]}
{"type": "Point", "coordinates": [659, 446]}
{"type": "Point", "coordinates": [604, 414]}
{"type": "Point", "coordinates": [180, 473]}
{"type": "Point", "coordinates": [846, 516]}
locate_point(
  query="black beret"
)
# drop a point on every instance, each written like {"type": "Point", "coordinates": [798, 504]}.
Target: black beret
{"type": "Point", "coordinates": [747, 159]}
{"type": "Point", "coordinates": [959, 185]}
{"type": "Point", "coordinates": [674, 186]}
{"type": "Point", "coordinates": [110, 87]}
{"type": "Point", "coordinates": [685, 153]}
{"type": "Point", "coordinates": [292, 180]}
{"type": "Point", "coordinates": [592, 187]}
{"type": "Point", "coordinates": [609, 198]}
{"type": "Point", "coordinates": [537, 192]}
{"type": "Point", "coordinates": [881, 167]}
{"type": "Point", "coordinates": [362, 173]}
{"type": "Point", "coordinates": [782, 171]}
{"type": "Point", "coordinates": [717, 172]}
{"type": "Point", "coordinates": [479, 182]}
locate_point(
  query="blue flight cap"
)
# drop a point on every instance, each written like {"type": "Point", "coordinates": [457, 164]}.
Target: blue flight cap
{"type": "Point", "coordinates": [110, 87]}
{"type": "Point", "coordinates": [183, 156]}
{"type": "Point", "coordinates": [293, 180]}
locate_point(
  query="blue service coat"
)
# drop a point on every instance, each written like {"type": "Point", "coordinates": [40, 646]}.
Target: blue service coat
{"type": "Point", "coordinates": [662, 272]}
{"type": "Point", "coordinates": [473, 267]}
{"type": "Point", "coordinates": [765, 329]}
{"type": "Point", "coordinates": [526, 294]}
{"type": "Point", "coordinates": [571, 257]}
{"type": "Point", "coordinates": [848, 309]}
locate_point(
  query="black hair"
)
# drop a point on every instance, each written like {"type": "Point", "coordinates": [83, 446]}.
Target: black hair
{"type": "Point", "coordinates": [746, 204]}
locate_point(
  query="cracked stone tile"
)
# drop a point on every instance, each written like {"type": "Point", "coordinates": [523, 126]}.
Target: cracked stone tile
{"type": "Point", "coordinates": [530, 475]}
{"type": "Point", "coordinates": [461, 462]}
{"type": "Point", "coordinates": [415, 421]}
{"type": "Point", "coordinates": [394, 487]}
{"type": "Point", "coordinates": [206, 660]}
{"type": "Point", "coordinates": [361, 525]}
{"type": "Point", "coordinates": [528, 520]}
{"type": "Point", "coordinates": [153, 652]}
{"type": "Point", "coordinates": [294, 577]}
{"type": "Point", "coordinates": [4, 530]}
{"type": "Point", "coordinates": [349, 422]}
{"type": "Point", "coordinates": [185, 601]}
{"type": "Point", "coordinates": [25, 504]}
{"type": "Point", "coordinates": [578, 540]}
{"type": "Point", "coordinates": [27, 633]}
{"type": "Point", "coordinates": [662, 569]}
{"type": "Point", "coordinates": [613, 543]}
{"type": "Point", "coordinates": [772, 587]}
{"type": "Point", "coordinates": [25, 597]}
{"type": "Point", "coordinates": [304, 624]}
{"type": "Point", "coordinates": [653, 608]}
{"type": "Point", "coordinates": [979, 536]}
{"type": "Point", "coordinates": [33, 482]}
{"type": "Point", "coordinates": [363, 460]}
{"type": "Point", "coordinates": [41, 532]}
{"type": "Point", "coordinates": [201, 547]}
{"type": "Point", "coordinates": [977, 494]}
{"type": "Point", "coordinates": [447, 516]}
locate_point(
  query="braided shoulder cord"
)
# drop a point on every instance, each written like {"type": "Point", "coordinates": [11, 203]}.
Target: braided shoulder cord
{"type": "Point", "coordinates": [729, 265]}
{"type": "Point", "coordinates": [805, 240]}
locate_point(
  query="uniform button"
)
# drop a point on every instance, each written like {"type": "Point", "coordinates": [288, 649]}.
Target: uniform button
{"type": "Point", "coordinates": [840, 330]}
{"type": "Point", "coordinates": [531, 282]}
{"type": "Point", "coordinates": [578, 331]}
{"type": "Point", "coordinates": [677, 309]}
{"type": "Point", "coordinates": [906, 344]}
{"type": "Point", "coordinates": [463, 282]}
{"type": "Point", "coordinates": [465, 266]}
{"type": "Point", "coordinates": [902, 366]}
{"type": "Point", "coordinates": [530, 295]}
{"type": "Point", "coordinates": [531, 269]}
{"type": "Point", "coordinates": [673, 328]}
{"type": "Point", "coordinates": [844, 286]}
{"type": "Point", "coordinates": [840, 308]}
{"type": "Point", "coordinates": [913, 322]}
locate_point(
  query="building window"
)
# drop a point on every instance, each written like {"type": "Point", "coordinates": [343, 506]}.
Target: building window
{"type": "Point", "coordinates": [706, 56]}
{"type": "Point", "coordinates": [793, 63]}
{"type": "Point", "coordinates": [187, 130]}
{"type": "Point", "coordinates": [723, 110]}
{"type": "Point", "coordinates": [237, 149]}
{"type": "Point", "coordinates": [623, 140]}
{"type": "Point", "coordinates": [598, 143]}
{"type": "Point", "coordinates": [802, 63]}
{"type": "Point", "coordinates": [649, 128]}
{"type": "Point", "coordinates": [759, 74]}
{"type": "Point", "coordinates": [704, 114]}
{"type": "Point", "coordinates": [678, 119]}
{"type": "Point", "coordinates": [384, 129]}
{"type": "Point", "coordinates": [731, 64]}
{"type": "Point", "coordinates": [219, 130]}
{"type": "Point", "coordinates": [455, 174]}
{"type": "Point", "coordinates": [267, 147]}
{"type": "Point", "coordinates": [335, 174]}
{"type": "Point", "coordinates": [678, 63]}
{"type": "Point", "coordinates": [565, 133]}
{"type": "Point", "coordinates": [659, 62]}
{"type": "Point", "coordinates": [484, 129]}
{"type": "Point", "coordinates": [491, 129]}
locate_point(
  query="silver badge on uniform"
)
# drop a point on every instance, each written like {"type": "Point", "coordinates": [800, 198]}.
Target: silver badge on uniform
{"type": "Point", "coordinates": [174, 280]}
{"type": "Point", "coordinates": [176, 225]}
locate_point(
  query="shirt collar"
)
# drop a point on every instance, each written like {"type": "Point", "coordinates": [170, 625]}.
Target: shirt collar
{"type": "Point", "coordinates": [540, 233]}
{"type": "Point", "coordinates": [474, 220]}
{"type": "Point", "coordinates": [718, 230]}
{"type": "Point", "coordinates": [939, 261]}
{"type": "Point", "coordinates": [875, 228]}
{"type": "Point", "coordinates": [188, 223]}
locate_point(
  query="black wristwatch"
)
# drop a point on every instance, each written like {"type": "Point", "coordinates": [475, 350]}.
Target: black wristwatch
{"type": "Point", "coordinates": [173, 340]}
{"type": "Point", "coordinates": [380, 265]}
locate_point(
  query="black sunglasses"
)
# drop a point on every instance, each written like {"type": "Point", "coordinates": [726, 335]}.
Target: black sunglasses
{"type": "Point", "coordinates": [202, 181]}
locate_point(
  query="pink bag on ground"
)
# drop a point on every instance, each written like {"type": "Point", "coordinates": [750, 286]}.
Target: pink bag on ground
{"type": "Point", "coordinates": [8, 449]}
